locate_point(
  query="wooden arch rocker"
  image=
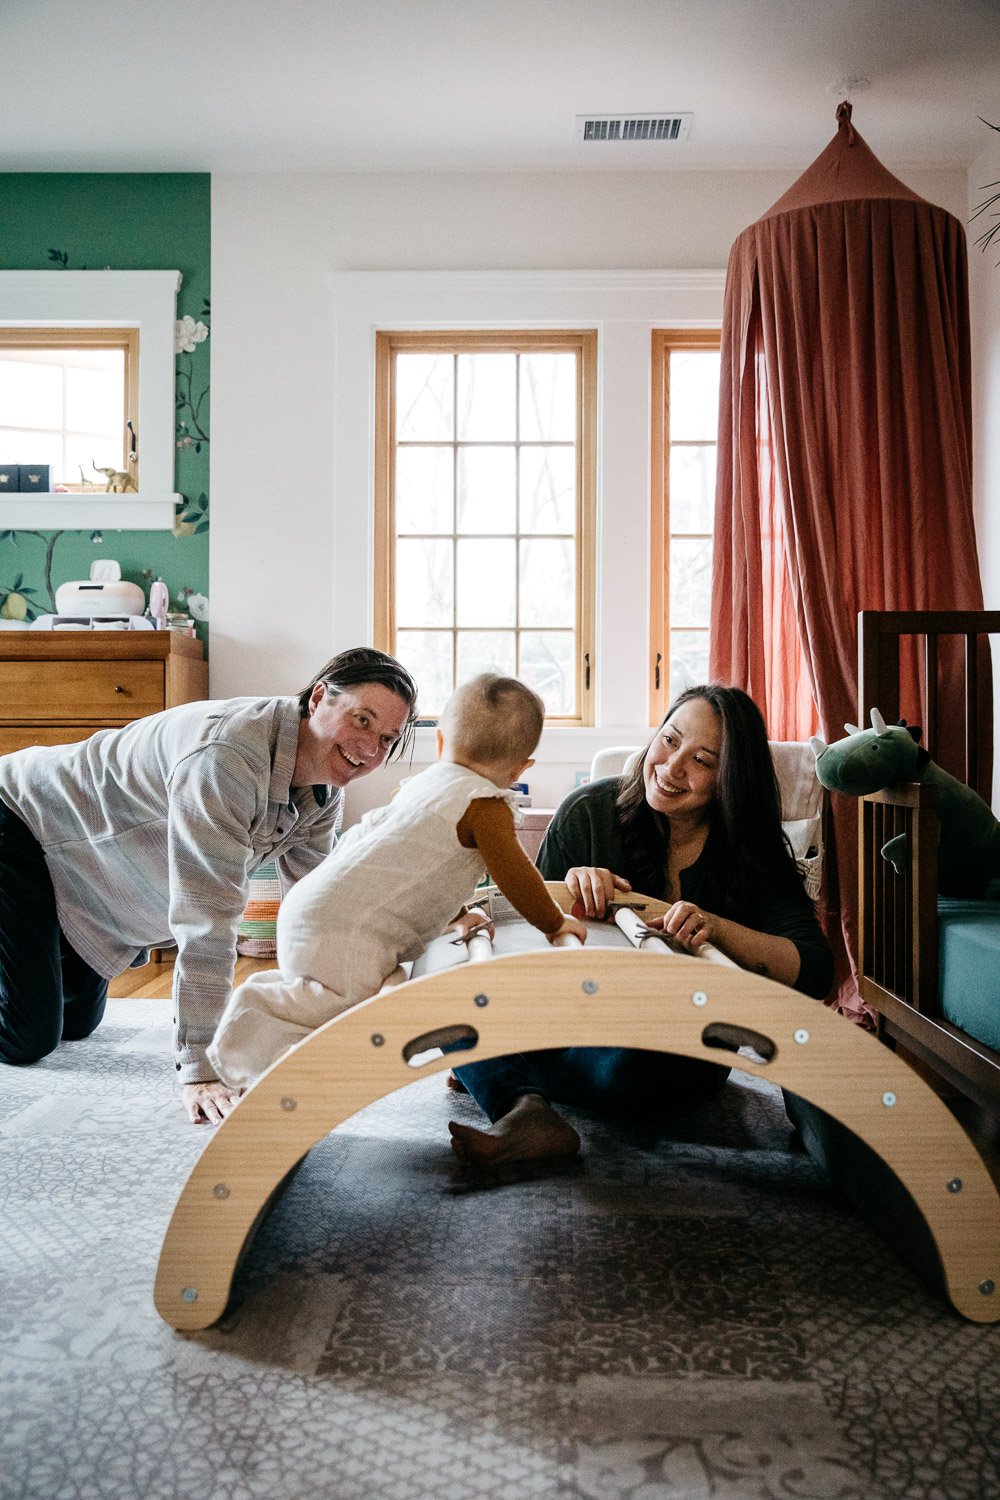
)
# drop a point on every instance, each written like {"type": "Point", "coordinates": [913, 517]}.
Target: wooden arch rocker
{"type": "Point", "coordinates": [591, 996]}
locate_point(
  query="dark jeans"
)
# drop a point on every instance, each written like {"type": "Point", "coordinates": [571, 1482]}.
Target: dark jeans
{"type": "Point", "coordinates": [617, 1081]}
{"type": "Point", "coordinates": [47, 993]}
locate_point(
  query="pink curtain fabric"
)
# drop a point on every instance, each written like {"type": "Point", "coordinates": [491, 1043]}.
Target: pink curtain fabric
{"type": "Point", "coordinates": [845, 473]}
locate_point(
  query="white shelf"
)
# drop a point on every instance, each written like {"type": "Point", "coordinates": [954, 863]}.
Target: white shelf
{"type": "Point", "coordinates": [88, 512]}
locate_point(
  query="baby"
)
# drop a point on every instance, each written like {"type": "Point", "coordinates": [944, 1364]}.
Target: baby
{"type": "Point", "coordinates": [395, 879]}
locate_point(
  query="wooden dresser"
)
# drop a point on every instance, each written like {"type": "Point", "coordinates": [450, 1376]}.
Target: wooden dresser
{"type": "Point", "coordinates": [59, 686]}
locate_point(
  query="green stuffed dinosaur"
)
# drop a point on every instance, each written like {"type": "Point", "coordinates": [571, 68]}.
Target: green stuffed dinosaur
{"type": "Point", "coordinates": [870, 759]}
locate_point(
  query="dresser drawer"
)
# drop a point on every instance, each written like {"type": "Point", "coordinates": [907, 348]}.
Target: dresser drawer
{"type": "Point", "coordinates": [21, 737]}
{"type": "Point", "coordinates": [53, 692]}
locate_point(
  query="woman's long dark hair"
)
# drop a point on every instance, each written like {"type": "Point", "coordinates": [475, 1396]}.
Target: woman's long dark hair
{"type": "Point", "coordinates": [747, 810]}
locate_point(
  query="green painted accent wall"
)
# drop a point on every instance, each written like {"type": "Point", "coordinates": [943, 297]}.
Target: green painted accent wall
{"type": "Point", "coordinates": [123, 221]}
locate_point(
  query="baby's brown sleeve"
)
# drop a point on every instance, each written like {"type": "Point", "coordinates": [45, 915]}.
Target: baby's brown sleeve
{"type": "Point", "coordinates": [488, 825]}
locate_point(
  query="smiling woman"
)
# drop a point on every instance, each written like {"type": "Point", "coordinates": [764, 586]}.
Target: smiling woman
{"type": "Point", "coordinates": [696, 823]}
{"type": "Point", "coordinates": [188, 804]}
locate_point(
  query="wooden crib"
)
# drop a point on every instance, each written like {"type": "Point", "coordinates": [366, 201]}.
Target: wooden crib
{"type": "Point", "coordinates": [898, 926]}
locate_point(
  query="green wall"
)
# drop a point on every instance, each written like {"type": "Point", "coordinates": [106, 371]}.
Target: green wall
{"type": "Point", "coordinates": [123, 222]}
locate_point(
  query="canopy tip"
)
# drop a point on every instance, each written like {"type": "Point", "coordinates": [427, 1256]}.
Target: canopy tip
{"type": "Point", "coordinates": [844, 111]}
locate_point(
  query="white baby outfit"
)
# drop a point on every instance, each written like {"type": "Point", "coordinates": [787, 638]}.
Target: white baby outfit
{"type": "Point", "coordinates": [389, 887]}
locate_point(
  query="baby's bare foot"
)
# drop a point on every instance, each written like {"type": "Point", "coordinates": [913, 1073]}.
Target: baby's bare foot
{"type": "Point", "coordinates": [529, 1130]}
{"type": "Point", "coordinates": [455, 1083]}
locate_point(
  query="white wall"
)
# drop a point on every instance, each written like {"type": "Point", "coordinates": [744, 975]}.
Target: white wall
{"type": "Point", "coordinates": [984, 288]}
{"type": "Point", "coordinates": [276, 242]}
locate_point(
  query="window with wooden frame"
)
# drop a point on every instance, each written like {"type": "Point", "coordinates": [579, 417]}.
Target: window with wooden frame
{"type": "Point", "coordinates": [69, 399]}
{"type": "Point", "coordinates": [685, 421]}
{"type": "Point", "coordinates": [485, 476]}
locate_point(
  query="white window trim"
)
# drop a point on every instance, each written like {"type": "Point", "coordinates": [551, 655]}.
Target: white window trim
{"type": "Point", "coordinates": [624, 307]}
{"type": "Point", "coordinates": [146, 300]}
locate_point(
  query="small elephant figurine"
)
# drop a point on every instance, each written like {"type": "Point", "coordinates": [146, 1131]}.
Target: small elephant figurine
{"type": "Point", "coordinates": [119, 480]}
{"type": "Point", "coordinates": [870, 759]}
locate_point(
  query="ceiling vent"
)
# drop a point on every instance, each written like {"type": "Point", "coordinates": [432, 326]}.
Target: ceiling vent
{"type": "Point", "coordinates": [605, 128]}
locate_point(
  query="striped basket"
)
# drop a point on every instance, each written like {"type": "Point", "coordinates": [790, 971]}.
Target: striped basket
{"type": "Point", "coordinates": [255, 935]}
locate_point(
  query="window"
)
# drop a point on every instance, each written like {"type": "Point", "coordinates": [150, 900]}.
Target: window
{"type": "Point", "coordinates": [685, 407]}
{"type": "Point", "coordinates": [625, 307]}
{"type": "Point", "coordinates": [67, 397]}
{"type": "Point", "coordinates": [485, 474]}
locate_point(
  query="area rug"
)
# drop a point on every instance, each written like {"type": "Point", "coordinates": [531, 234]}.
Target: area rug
{"type": "Point", "coordinates": [698, 1316]}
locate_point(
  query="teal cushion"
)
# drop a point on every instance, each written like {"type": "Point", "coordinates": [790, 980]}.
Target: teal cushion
{"type": "Point", "coordinates": [969, 966]}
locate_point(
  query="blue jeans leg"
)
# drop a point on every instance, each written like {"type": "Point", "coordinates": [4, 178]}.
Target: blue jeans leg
{"type": "Point", "coordinates": [47, 992]}
{"type": "Point", "coordinates": [618, 1081]}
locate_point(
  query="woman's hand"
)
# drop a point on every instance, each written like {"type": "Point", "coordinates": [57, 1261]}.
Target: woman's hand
{"type": "Point", "coordinates": [686, 924]}
{"type": "Point", "coordinates": [592, 889]}
{"type": "Point", "coordinates": [210, 1103]}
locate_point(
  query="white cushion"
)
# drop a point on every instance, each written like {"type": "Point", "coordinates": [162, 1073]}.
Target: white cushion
{"type": "Point", "coordinates": [613, 761]}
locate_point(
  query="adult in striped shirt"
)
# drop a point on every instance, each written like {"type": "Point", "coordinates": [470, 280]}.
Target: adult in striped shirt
{"type": "Point", "coordinates": [148, 835]}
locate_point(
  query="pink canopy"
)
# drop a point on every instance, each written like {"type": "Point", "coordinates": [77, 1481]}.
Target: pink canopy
{"type": "Point", "coordinates": [845, 471]}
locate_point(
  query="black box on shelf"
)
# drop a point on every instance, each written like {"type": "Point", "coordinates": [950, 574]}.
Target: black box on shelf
{"type": "Point", "coordinates": [10, 478]}
{"type": "Point", "coordinates": [35, 477]}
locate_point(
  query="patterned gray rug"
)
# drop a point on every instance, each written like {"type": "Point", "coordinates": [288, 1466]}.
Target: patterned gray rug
{"type": "Point", "coordinates": [695, 1317]}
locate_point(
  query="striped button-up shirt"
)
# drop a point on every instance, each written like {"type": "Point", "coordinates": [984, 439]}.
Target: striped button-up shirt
{"type": "Point", "coordinates": [151, 832]}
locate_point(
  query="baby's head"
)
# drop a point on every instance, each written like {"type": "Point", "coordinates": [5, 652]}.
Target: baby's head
{"type": "Point", "coordinates": [492, 724]}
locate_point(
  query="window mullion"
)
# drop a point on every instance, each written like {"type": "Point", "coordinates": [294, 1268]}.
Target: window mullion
{"type": "Point", "coordinates": [517, 515]}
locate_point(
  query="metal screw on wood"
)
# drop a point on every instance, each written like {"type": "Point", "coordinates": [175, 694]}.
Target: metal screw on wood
{"type": "Point", "coordinates": [802, 1036]}
{"type": "Point", "coordinates": [481, 1000]}
{"type": "Point", "coordinates": [888, 1098]}
{"type": "Point", "coordinates": [220, 1190]}
{"type": "Point", "coordinates": [590, 986]}
{"type": "Point", "coordinates": [955, 1185]}
{"type": "Point", "coordinates": [190, 1294]}
{"type": "Point", "coordinates": [288, 1104]}
{"type": "Point", "coordinates": [987, 1288]}
{"type": "Point", "coordinates": [699, 998]}
{"type": "Point", "coordinates": [378, 1040]}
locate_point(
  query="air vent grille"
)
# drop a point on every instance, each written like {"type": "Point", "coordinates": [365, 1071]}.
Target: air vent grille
{"type": "Point", "coordinates": [631, 128]}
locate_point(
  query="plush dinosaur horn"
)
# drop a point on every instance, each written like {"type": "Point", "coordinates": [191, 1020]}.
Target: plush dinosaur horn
{"type": "Point", "coordinates": [878, 723]}
{"type": "Point", "coordinates": [853, 728]}
{"type": "Point", "coordinates": [818, 745]}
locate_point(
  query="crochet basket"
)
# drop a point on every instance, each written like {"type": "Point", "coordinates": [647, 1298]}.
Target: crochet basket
{"type": "Point", "coordinates": [256, 932]}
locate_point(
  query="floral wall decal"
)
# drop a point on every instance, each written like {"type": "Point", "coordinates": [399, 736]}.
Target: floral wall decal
{"type": "Point", "coordinates": [125, 221]}
{"type": "Point", "coordinates": [188, 333]}
{"type": "Point", "coordinates": [18, 601]}
{"type": "Point", "coordinates": [192, 425]}
{"type": "Point", "coordinates": [191, 517]}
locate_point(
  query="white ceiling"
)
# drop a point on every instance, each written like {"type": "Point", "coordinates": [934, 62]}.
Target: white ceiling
{"type": "Point", "coordinates": [484, 85]}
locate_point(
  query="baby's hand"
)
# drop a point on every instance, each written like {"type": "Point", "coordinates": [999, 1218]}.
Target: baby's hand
{"type": "Point", "coordinates": [469, 922]}
{"type": "Point", "coordinates": [569, 927]}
